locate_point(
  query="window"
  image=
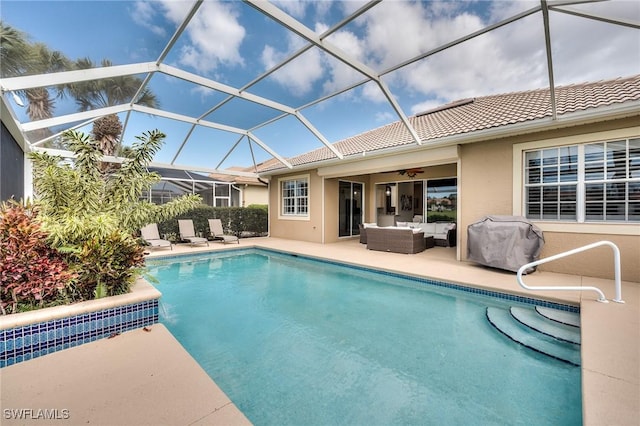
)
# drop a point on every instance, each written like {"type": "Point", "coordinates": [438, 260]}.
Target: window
{"type": "Point", "coordinates": [593, 182]}
{"type": "Point", "coordinates": [441, 202]}
{"type": "Point", "coordinates": [295, 196]}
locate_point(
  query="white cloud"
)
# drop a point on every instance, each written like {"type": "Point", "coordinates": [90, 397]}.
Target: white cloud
{"type": "Point", "coordinates": [586, 50]}
{"type": "Point", "coordinates": [214, 35]}
{"type": "Point", "coordinates": [295, 8]}
{"type": "Point", "coordinates": [507, 59]}
{"type": "Point", "coordinates": [299, 75]}
{"type": "Point", "coordinates": [340, 75]}
{"type": "Point", "coordinates": [143, 14]}
{"type": "Point", "coordinates": [385, 117]}
{"type": "Point", "coordinates": [425, 106]}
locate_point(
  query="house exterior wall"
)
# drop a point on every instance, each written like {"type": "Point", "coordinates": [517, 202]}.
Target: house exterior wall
{"type": "Point", "coordinates": [254, 194]}
{"type": "Point", "coordinates": [301, 229]}
{"type": "Point", "coordinates": [489, 185]}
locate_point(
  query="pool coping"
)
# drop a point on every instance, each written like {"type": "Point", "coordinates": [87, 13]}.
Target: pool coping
{"type": "Point", "coordinates": [420, 279]}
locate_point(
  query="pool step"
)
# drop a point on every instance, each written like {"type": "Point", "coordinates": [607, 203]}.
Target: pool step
{"type": "Point", "coordinates": [505, 323]}
{"type": "Point", "coordinates": [563, 317]}
{"type": "Point", "coordinates": [532, 319]}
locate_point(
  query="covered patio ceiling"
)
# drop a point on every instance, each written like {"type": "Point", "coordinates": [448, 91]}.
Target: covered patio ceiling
{"type": "Point", "coordinates": [239, 83]}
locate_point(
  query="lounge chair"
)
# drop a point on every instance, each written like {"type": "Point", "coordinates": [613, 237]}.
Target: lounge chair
{"type": "Point", "coordinates": [215, 225]}
{"type": "Point", "coordinates": [151, 236]}
{"type": "Point", "coordinates": [187, 232]}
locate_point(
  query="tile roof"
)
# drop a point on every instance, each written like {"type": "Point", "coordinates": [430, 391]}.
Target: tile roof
{"type": "Point", "coordinates": [471, 115]}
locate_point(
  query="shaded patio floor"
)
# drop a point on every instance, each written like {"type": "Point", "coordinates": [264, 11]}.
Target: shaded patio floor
{"type": "Point", "coordinates": [144, 377]}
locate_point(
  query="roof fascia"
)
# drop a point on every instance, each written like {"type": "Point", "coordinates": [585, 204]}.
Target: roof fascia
{"type": "Point", "coordinates": [387, 163]}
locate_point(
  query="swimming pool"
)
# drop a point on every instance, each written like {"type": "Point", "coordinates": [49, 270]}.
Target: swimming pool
{"type": "Point", "coordinates": [298, 341]}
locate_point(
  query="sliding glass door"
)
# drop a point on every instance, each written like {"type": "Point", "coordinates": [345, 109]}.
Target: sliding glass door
{"type": "Point", "coordinates": [350, 208]}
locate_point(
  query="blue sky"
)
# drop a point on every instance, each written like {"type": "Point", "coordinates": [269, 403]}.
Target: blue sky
{"type": "Point", "coordinates": [233, 43]}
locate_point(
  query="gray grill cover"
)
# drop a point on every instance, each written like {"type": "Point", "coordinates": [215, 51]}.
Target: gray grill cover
{"type": "Point", "coordinates": [505, 242]}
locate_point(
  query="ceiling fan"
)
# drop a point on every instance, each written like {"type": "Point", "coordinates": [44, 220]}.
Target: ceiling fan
{"type": "Point", "coordinates": [410, 172]}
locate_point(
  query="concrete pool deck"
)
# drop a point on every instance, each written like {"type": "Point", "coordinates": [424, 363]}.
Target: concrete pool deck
{"type": "Point", "coordinates": [143, 377]}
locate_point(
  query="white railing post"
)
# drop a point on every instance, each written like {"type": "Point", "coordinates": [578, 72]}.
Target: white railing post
{"type": "Point", "coordinates": [602, 298]}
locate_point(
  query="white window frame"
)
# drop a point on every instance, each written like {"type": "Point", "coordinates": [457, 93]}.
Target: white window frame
{"type": "Point", "coordinates": [579, 226]}
{"type": "Point", "coordinates": [294, 216]}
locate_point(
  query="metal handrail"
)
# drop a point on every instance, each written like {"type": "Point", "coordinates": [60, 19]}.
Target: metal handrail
{"type": "Point", "coordinates": [602, 298]}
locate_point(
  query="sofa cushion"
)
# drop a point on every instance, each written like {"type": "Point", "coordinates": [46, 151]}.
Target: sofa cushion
{"type": "Point", "coordinates": [443, 227]}
{"type": "Point", "coordinates": [428, 228]}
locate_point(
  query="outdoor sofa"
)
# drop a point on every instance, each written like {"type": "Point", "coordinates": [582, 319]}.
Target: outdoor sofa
{"type": "Point", "coordinates": [396, 240]}
{"type": "Point", "coordinates": [443, 233]}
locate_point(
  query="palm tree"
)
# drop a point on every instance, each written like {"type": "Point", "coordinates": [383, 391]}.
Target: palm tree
{"type": "Point", "coordinates": [14, 51]}
{"type": "Point", "coordinates": [18, 56]}
{"type": "Point", "coordinates": [104, 93]}
{"type": "Point", "coordinates": [41, 61]}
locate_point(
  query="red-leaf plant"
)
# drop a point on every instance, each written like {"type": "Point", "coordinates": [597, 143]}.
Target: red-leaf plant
{"type": "Point", "coordinates": [31, 272]}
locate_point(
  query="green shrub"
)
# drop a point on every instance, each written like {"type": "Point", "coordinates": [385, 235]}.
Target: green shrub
{"type": "Point", "coordinates": [108, 266]}
{"type": "Point", "coordinates": [32, 274]}
{"type": "Point", "coordinates": [239, 221]}
{"type": "Point", "coordinates": [441, 217]}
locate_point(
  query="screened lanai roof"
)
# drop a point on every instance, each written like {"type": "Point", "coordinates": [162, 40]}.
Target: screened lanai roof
{"type": "Point", "coordinates": [240, 83]}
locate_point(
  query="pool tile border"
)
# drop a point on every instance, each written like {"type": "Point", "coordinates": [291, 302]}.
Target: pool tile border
{"type": "Point", "coordinates": [25, 342]}
{"type": "Point", "coordinates": [421, 280]}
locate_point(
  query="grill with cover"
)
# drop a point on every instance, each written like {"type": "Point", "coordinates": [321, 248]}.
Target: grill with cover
{"type": "Point", "coordinates": [504, 242]}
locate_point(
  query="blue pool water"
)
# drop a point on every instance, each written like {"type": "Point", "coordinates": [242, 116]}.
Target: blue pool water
{"type": "Point", "coordinates": [294, 341]}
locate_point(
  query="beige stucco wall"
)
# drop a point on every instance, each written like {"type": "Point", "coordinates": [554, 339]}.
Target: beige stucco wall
{"type": "Point", "coordinates": [254, 194]}
{"type": "Point", "coordinates": [486, 187]}
{"type": "Point", "coordinates": [302, 229]}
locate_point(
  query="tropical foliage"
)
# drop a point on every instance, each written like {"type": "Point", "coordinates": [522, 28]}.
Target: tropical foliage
{"type": "Point", "coordinates": [32, 274]}
{"type": "Point", "coordinates": [79, 243]}
{"type": "Point", "coordinates": [80, 203]}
